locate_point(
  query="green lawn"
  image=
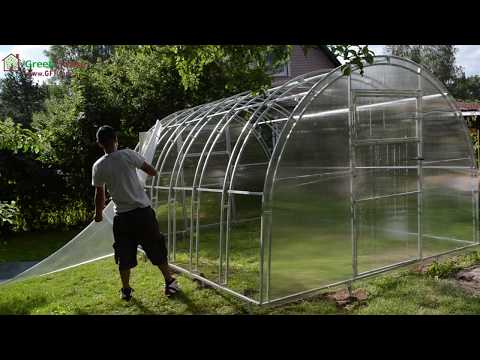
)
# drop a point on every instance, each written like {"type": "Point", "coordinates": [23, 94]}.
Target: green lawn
{"type": "Point", "coordinates": [93, 289]}
{"type": "Point", "coordinates": [34, 246]}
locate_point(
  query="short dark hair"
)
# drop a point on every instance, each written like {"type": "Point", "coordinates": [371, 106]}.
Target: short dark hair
{"type": "Point", "coordinates": [106, 134]}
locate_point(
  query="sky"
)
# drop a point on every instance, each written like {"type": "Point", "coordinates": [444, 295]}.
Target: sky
{"type": "Point", "coordinates": [468, 56]}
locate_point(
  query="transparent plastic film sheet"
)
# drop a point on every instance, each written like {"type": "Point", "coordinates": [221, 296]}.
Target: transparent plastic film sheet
{"type": "Point", "coordinates": [95, 241]}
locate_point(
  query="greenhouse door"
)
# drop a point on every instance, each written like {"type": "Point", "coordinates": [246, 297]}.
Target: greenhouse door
{"type": "Point", "coordinates": [386, 187]}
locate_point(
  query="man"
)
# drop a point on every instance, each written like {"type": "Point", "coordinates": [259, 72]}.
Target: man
{"type": "Point", "coordinates": [134, 222]}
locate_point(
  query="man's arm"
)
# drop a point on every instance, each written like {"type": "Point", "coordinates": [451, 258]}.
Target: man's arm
{"type": "Point", "coordinates": [99, 202]}
{"type": "Point", "coordinates": [149, 169]}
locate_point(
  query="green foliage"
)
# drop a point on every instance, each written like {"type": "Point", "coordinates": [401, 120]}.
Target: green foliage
{"type": "Point", "coordinates": [14, 137]}
{"type": "Point", "coordinates": [62, 55]}
{"type": "Point", "coordinates": [474, 126]}
{"type": "Point", "coordinates": [442, 270]}
{"type": "Point", "coordinates": [20, 97]}
{"type": "Point", "coordinates": [9, 217]}
{"type": "Point", "coordinates": [28, 178]}
{"type": "Point", "coordinates": [355, 56]}
{"type": "Point", "coordinates": [449, 267]}
{"type": "Point", "coordinates": [466, 88]}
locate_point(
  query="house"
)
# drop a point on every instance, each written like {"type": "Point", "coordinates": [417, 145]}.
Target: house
{"type": "Point", "coordinates": [11, 62]}
{"type": "Point", "coordinates": [468, 109]}
{"type": "Point", "coordinates": [317, 58]}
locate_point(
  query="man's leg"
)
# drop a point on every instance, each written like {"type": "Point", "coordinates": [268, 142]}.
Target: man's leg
{"type": "Point", "coordinates": [125, 276]}
{"type": "Point", "coordinates": [165, 272]}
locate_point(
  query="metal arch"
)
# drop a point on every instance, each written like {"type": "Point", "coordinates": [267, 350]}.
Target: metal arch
{"type": "Point", "coordinates": [214, 131]}
{"type": "Point", "coordinates": [425, 72]}
{"type": "Point", "coordinates": [163, 123]}
{"type": "Point", "coordinates": [273, 164]}
{"type": "Point", "coordinates": [176, 132]}
{"type": "Point", "coordinates": [176, 136]}
{"type": "Point", "coordinates": [197, 181]}
{"type": "Point", "coordinates": [230, 118]}
{"type": "Point", "coordinates": [187, 143]}
{"type": "Point", "coordinates": [264, 226]}
{"type": "Point", "coordinates": [170, 133]}
{"type": "Point", "coordinates": [244, 135]}
{"type": "Point", "coordinates": [200, 161]}
{"type": "Point", "coordinates": [178, 121]}
{"type": "Point", "coordinates": [323, 83]}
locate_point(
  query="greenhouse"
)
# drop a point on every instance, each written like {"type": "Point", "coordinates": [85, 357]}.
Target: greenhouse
{"type": "Point", "coordinates": [316, 183]}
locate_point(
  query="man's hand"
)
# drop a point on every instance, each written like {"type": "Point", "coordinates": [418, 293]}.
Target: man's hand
{"type": "Point", "coordinates": [149, 169]}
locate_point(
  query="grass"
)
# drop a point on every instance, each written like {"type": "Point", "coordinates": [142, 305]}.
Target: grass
{"type": "Point", "coordinates": [93, 289]}
{"type": "Point", "coordinates": [33, 246]}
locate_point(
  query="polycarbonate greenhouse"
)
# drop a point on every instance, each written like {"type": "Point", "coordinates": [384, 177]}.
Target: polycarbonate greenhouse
{"type": "Point", "coordinates": [316, 183]}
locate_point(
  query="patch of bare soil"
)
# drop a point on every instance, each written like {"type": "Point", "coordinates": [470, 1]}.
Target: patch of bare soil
{"type": "Point", "coordinates": [343, 299]}
{"type": "Point", "coordinates": [469, 280]}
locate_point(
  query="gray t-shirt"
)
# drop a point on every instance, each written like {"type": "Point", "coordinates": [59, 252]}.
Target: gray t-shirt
{"type": "Point", "coordinates": [117, 171]}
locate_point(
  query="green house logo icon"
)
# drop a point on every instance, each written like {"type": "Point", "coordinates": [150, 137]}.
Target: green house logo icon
{"type": "Point", "coordinates": [11, 62]}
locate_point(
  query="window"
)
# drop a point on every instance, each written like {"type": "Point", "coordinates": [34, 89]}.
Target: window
{"type": "Point", "coordinates": [282, 70]}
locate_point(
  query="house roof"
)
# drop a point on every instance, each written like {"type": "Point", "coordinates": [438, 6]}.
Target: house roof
{"type": "Point", "coordinates": [330, 55]}
{"type": "Point", "coordinates": [470, 106]}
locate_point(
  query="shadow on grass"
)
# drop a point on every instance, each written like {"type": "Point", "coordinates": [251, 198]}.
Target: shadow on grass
{"type": "Point", "coordinates": [21, 306]}
{"type": "Point", "coordinates": [191, 306]}
{"type": "Point", "coordinates": [145, 310]}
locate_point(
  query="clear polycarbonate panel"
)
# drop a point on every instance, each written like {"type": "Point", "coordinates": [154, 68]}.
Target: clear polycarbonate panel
{"type": "Point", "coordinates": [387, 231]}
{"type": "Point", "coordinates": [445, 142]}
{"type": "Point", "coordinates": [391, 77]}
{"type": "Point", "coordinates": [448, 209]}
{"type": "Point", "coordinates": [242, 260]}
{"type": "Point", "coordinates": [324, 119]}
{"type": "Point", "coordinates": [379, 118]}
{"type": "Point", "coordinates": [311, 242]}
{"type": "Point", "coordinates": [311, 229]}
{"type": "Point", "coordinates": [385, 169]}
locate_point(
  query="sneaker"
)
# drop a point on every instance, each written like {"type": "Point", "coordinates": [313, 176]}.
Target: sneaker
{"type": "Point", "coordinates": [126, 294]}
{"type": "Point", "coordinates": [172, 287]}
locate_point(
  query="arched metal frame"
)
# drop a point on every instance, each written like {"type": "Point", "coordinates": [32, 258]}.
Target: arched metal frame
{"type": "Point", "coordinates": [180, 131]}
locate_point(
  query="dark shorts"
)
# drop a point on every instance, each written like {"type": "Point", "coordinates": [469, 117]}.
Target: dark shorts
{"type": "Point", "coordinates": [133, 228]}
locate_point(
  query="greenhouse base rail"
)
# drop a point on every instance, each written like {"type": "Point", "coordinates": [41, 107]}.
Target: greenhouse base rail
{"type": "Point", "coordinates": [313, 292]}
{"type": "Point", "coordinates": [213, 284]}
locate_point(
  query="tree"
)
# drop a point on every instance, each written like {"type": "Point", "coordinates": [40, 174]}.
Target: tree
{"type": "Point", "coordinates": [135, 85]}
{"type": "Point", "coordinates": [467, 88]}
{"type": "Point", "coordinates": [353, 55]}
{"type": "Point", "coordinates": [20, 97]}
{"type": "Point", "coordinates": [62, 55]}
{"type": "Point", "coordinates": [439, 59]}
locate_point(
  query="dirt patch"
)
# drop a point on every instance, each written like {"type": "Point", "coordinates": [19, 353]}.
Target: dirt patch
{"type": "Point", "coordinates": [343, 299]}
{"type": "Point", "coordinates": [469, 280]}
